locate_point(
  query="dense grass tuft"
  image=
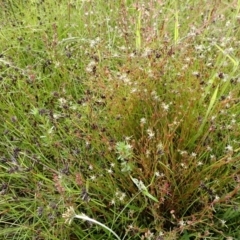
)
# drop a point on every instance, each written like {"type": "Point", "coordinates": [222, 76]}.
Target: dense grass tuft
{"type": "Point", "coordinates": [119, 120]}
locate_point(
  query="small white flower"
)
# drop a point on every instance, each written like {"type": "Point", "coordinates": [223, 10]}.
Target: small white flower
{"type": "Point", "coordinates": [56, 116]}
{"type": "Point", "coordinates": [200, 163]}
{"type": "Point", "coordinates": [90, 66]}
{"type": "Point", "coordinates": [134, 90]}
{"type": "Point", "coordinates": [228, 23]}
{"type": "Point", "coordinates": [128, 139]}
{"type": "Point", "coordinates": [199, 47]}
{"type": "Point", "coordinates": [229, 148]}
{"type": "Point", "coordinates": [223, 222]}
{"type": "Point", "coordinates": [62, 101]}
{"type": "Point", "coordinates": [147, 52]}
{"type": "Point", "coordinates": [182, 164]}
{"type": "Point", "coordinates": [161, 234]}
{"type": "Point", "coordinates": [112, 165]}
{"type": "Point", "coordinates": [93, 177]}
{"type": "Point", "coordinates": [143, 120]}
{"type": "Point", "coordinates": [209, 148]}
{"type": "Point", "coordinates": [165, 107]}
{"type": "Point", "coordinates": [183, 153]}
{"type": "Point", "coordinates": [193, 154]}
{"type": "Point", "coordinates": [233, 121]}
{"type": "Point", "coordinates": [212, 157]}
{"type": "Point", "coordinates": [150, 133]}
{"type": "Point", "coordinates": [121, 198]}
{"type": "Point", "coordinates": [69, 215]}
{"type": "Point", "coordinates": [57, 64]}
{"type": "Point", "coordinates": [148, 153]}
{"type": "Point", "coordinates": [195, 73]}
{"type": "Point", "coordinates": [131, 55]}
{"type": "Point", "coordinates": [182, 223]}
{"type": "Point", "coordinates": [130, 226]}
{"type": "Point", "coordinates": [113, 202]}
{"type": "Point", "coordinates": [217, 197]}
{"type": "Point", "coordinates": [90, 167]}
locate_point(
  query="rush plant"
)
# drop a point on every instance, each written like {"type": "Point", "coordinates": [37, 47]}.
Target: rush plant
{"type": "Point", "coordinates": [126, 111]}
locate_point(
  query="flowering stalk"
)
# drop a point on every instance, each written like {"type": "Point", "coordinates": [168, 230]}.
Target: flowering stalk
{"type": "Point", "coordinates": [70, 214]}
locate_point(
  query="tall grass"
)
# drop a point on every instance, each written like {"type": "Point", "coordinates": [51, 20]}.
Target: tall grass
{"type": "Point", "coordinates": [120, 113]}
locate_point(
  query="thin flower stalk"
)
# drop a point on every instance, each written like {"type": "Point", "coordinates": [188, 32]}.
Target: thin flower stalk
{"type": "Point", "coordinates": [70, 214]}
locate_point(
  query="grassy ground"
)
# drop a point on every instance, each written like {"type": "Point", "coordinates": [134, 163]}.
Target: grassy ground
{"type": "Point", "coordinates": [126, 112]}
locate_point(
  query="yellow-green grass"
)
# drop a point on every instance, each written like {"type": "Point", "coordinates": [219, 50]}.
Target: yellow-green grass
{"type": "Point", "coordinates": [126, 113]}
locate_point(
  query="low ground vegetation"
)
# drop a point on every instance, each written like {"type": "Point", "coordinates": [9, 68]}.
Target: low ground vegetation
{"type": "Point", "coordinates": [120, 113]}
